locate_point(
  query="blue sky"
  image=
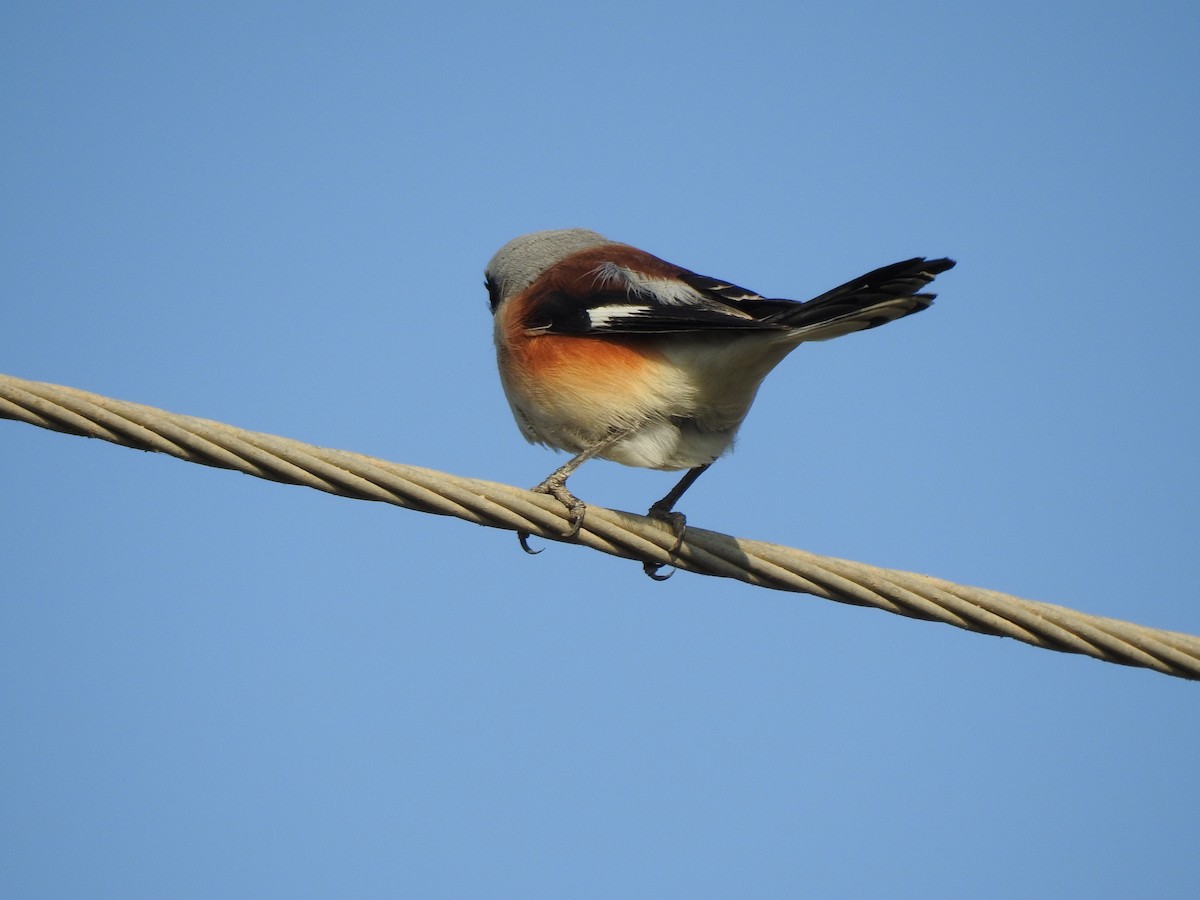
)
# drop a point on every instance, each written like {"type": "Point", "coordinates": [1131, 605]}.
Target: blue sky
{"type": "Point", "coordinates": [278, 215]}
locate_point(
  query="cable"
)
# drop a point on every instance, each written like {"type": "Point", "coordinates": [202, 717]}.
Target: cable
{"type": "Point", "coordinates": [611, 531]}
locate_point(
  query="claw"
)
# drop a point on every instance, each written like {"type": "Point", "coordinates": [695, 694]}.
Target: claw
{"type": "Point", "coordinates": [651, 570]}
{"type": "Point", "coordinates": [523, 540]}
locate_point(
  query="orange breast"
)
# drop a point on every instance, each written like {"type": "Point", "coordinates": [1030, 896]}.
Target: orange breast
{"type": "Point", "coordinates": [562, 373]}
{"type": "Point", "coordinates": [574, 388]}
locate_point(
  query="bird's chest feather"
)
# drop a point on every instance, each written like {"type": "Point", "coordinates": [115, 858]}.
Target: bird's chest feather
{"type": "Point", "coordinates": [588, 386]}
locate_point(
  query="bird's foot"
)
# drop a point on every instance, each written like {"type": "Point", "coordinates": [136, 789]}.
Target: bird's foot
{"type": "Point", "coordinates": [576, 509]}
{"type": "Point", "coordinates": [677, 522]}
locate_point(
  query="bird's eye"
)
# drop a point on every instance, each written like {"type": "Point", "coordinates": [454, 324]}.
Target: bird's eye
{"type": "Point", "coordinates": [493, 290]}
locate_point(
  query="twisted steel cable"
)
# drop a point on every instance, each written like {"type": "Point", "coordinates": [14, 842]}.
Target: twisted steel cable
{"type": "Point", "coordinates": [618, 533]}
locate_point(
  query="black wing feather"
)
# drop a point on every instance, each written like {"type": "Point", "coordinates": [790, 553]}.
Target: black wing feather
{"type": "Point", "coordinates": [902, 279]}
{"type": "Point", "coordinates": [722, 306]}
{"type": "Point", "coordinates": [626, 312]}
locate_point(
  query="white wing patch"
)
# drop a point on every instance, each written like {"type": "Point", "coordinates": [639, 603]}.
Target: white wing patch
{"type": "Point", "coordinates": [606, 316]}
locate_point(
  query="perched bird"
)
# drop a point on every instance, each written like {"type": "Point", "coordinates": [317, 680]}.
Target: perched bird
{"type": "Point", "coordinates": [607, 351]}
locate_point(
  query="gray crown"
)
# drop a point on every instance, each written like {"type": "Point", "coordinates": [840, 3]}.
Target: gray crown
{"type": "Point", "coordinates": [524, 258]}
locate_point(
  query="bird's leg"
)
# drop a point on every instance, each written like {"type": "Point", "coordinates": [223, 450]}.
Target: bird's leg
{"type": "Point", "coordinates": [664, 510]}
{"type": "Point", "coordinates": [556, 485]}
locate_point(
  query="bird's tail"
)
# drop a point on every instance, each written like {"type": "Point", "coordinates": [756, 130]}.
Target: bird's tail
{"type": "Point", "coordinates": [875, 298]}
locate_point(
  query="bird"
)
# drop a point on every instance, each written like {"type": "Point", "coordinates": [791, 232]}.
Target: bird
{"type": "Point", "coordinates": [607, 351]}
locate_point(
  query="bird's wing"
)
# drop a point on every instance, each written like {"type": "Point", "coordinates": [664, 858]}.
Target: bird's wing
{"type": "Point", "coordinates": [621, 300]}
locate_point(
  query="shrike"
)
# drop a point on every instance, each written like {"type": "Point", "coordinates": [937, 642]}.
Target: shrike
{"type": "Point", "coordinates": [607, 351]}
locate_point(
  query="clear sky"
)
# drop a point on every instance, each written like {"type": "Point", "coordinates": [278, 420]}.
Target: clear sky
{"type": "Point", "coordinates": [277, 215]}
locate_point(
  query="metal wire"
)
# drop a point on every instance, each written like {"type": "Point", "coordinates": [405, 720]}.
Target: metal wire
{"type": "Point", "coordinates": [610, 531]}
